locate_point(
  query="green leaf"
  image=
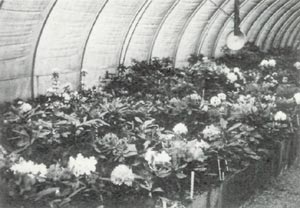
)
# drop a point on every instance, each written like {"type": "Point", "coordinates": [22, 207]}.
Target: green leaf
{"type": "Point", "coordinates": [181, 175]}
{"type": "Point", "coordinates": [46, 192]}
{"type": "Point", "coordinates": [158, 189]}
{"type": "Point", "coordinates": [235, 126]}
{"type": "Point", "coordinates": [223, 123]}
{"type": "Point", "coordinates": [130, 151]}
{"type": "Point", "coordinates": [137, 119]}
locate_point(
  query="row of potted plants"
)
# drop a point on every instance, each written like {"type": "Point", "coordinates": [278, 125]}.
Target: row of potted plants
{"type": "Point", "coordinates": [150, 134]}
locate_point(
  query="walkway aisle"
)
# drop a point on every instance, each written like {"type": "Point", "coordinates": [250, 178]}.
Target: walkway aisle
{"type": "Point", "coordinates": [283, 192]}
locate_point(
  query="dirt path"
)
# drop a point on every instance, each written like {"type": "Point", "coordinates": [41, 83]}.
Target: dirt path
{"type": "Point", "coordinates": [283, 192]}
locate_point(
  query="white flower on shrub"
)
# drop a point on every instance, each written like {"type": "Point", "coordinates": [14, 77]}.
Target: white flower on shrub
{"type": "Point", "coordinates": [195, 97]}
{"type": "Point", "coordinates": [297, 98]}
{"type": "Point", "coordinates": [222, 96]}
{"type": "Point", "coordinates": [205, 59]}
{"type": "Point", "coordinates": [29, 167]}
{"type": "Point", "coordinates": [236, 70]}
{"type": "Point", "coordinates": [211, 131]}
{"type": "Point", "coordinates": [232, 77]}
{"type": "Point", "coordinates": [297, 65]}
{"type": "Point", "coordinates": [25, 107]}
{"type": "Point", "coordinates": [272, 62]}
{"type": "Point", "coordinates": [268, 63]}
{"type": "Point", "coordinates": [203, 144]}
{"type": "Point", "coordinates": [194, 151]}
{"type": "Point", "coordinates": [280, 116]}
{"type": "Point", "coordinates": [82, 165]}
{"type": "Point", "coordinates": [157, 158]}
{"type": "Point", "coordinates": [204, 108]}
{"type": "Point", "coordinates": [66, 97]}
{"type": "Point", "coordinates": [270, 98]}
{"type": "Point", "coordinates": [180, 128]}
{"type": "Point", "coordinates": [264, 63]}
{"type": "Point", "coordinates": [215, 101]}
{"type": "Point", "coordinates": [122, 174]}
{"type": "Point", "coordinates": [167, 136]}
{"type": "Point", "coordinates": [174, 100]}
{"type": "Point", "coordinates": [224, 69]}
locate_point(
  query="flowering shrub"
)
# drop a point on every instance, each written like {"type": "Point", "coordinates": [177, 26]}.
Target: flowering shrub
{"type": "Point", "coordinates": [142, 133]}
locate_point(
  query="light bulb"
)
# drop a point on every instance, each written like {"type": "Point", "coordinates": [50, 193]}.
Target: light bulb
{"type": "Point", "coordinates": [236, 41]}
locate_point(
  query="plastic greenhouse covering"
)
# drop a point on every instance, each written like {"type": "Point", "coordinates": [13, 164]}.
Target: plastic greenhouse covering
{"type": "Point", "coordinates": [98, 35]}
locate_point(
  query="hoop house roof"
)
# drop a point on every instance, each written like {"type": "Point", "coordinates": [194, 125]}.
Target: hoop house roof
{"type": "Point", "coordinates": [98, 35]}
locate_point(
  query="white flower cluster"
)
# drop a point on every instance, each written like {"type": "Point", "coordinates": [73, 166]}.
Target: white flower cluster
{"type": "Point", "coordinates": [297, 98]}
{"type": "Point", "coordinates": [245, 105]}
{"type": "Point", "coordinates": [232, 77]}
{"type": "Point", "coordinates": [222, 96]}
{"type": "Point", "coordinates": [66, 96]}
{"type": "Point", "coordinates": [174, 101]}
{"type": "Point", "coordinates": [268, 63]}
{"type": "Point", "coordinates": [270, 98]}
{"type": "Point", "coordinates": [157, 158]}
{"type": "Point", "coordinates": [211, 131]}
{"type": "Point", "coordinates": [82, 165]}
{"type": "Point", "coordinates": [280, 116]}
{"type": "Point", "coordinates": [24, 107]}
{"type": "Point", "coordinates": [30, 168]}
{"type": "Point", "coordinates": [224, 69]}
{"type": "Point", "coordinates": [217, 100]}
{"type": "Point", "coordinates": [195, 149]}
{"type": "Point", "coordinates": [248, 99]}
{"type": "Point", "coordinates": [180, 128]}
{"type": "Point", "coordinates": [297, 65]}
{"type": "Point", "coordinates": [122, 174]}
{"type": "Point", "coordinates": [195, 97]}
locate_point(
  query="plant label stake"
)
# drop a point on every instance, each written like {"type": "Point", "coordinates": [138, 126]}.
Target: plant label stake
{"type": "Point", "coordinates": [226, 164]}
{"type": "Point", "coordinates": [219, 168]}
{"type": "Point", "coordinates": [192, 184]}
{"type": "Point", "coordinates": [164, 202]}
{"type": "Point", "coordinates": [223, 176]}
{"type": "Point", "coordinates": [292, 127]}
{"type": "Point", "coordinates": [298, 122]}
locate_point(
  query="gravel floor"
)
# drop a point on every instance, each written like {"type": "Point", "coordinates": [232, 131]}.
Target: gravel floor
{"type": "Point", "coordinates": [283, 192]}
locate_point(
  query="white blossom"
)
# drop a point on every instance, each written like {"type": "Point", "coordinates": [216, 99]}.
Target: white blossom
{"type": "Point", "coordinates": [236, 70]}
{"type": "Point", "coordinates": [272, 62]}
{"type": "Point", "coordinates": [268, 63]}
{"type": "Point", "coordinates": [122, 174]}
{"type": "Point", "coordinates": [204, 108]}
{"type": "Point", "coordinates": [195, 97]}
{"type": "Point", "coordinates": [297, 98]}
{"type": "Point", "coordinates": [180, 128]}
{"type": "Point", "coordinates": [195, 151]}
{"type": "Point", "coordinates": [211, 131]}
{"type": "Point", "coordinates": [222, 96]}
{"type": "Point", "coordinates": [82, 165]}
{"type": "Point", "coordinates": [66, 97]}
{"type": "Point", "coordinates": [297, 65]}
{"type": "Point", "coordinates": [157, 158]}
{"type": "Point", "coordinates": [25, 107]}
{"type": "Point", "coordinates": [280, 116]}
{"type": "Point", "coordinates": [215, 101]}
{"type": "Point", "coordinates": [232, 77]}
{"type": "Point", "coordinates": [225, 70]}
{"type": "Point", "coordinates": [30, 168]}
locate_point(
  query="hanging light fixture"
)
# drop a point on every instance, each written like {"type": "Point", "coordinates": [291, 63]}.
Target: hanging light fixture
{"type": "Point", "coordinates": [236, 39]}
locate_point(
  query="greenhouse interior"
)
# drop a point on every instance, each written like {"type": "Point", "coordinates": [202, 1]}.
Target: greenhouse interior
{"type": "Point", "coordinates": [149, 103]}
